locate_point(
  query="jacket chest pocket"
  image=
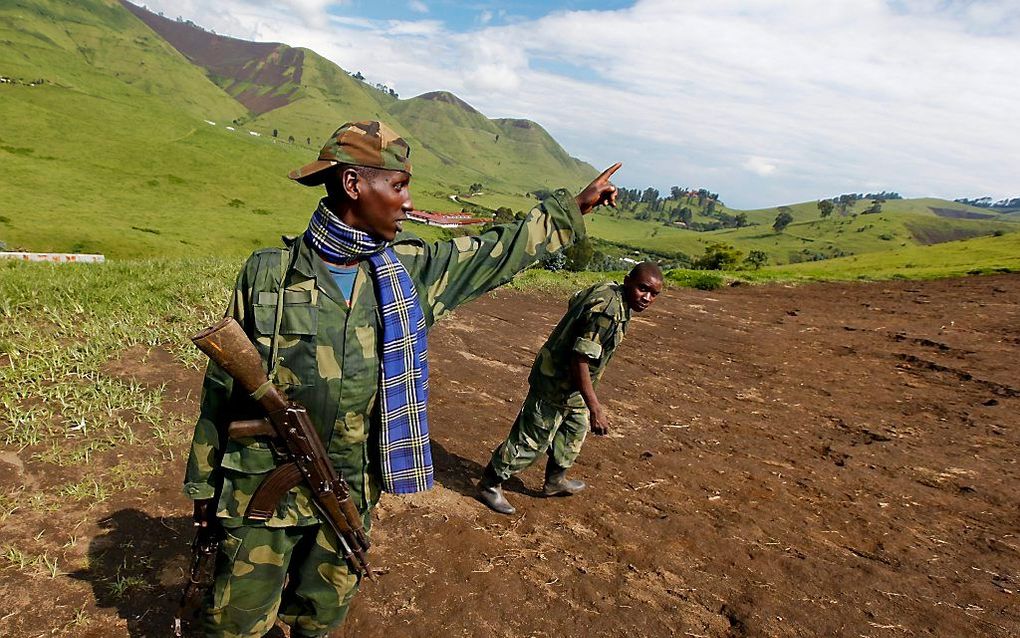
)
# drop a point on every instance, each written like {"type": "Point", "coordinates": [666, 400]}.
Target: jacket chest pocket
{"type": "Point", "coordinates": [299, 325]}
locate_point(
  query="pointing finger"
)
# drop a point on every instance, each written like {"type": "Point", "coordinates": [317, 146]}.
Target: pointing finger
{"type": "Point", "coordinates": [606, 174]}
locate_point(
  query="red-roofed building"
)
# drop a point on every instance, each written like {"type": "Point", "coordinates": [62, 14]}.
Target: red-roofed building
{"type": "Point", "coordinates": [445, 220]}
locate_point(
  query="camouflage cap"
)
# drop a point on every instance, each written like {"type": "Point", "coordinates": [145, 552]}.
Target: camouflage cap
{"type": "Point", "coordinates": [359, 144]}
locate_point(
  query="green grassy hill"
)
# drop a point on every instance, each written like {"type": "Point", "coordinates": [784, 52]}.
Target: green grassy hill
{"type": "Point", "coordinates": [982, 255]}
{"type": "Point", "coordinates": [810, 237]}
{"type": "Point", "coordinates": [502, 155]}
{"type": "Point", "coordinates": [112, 151]}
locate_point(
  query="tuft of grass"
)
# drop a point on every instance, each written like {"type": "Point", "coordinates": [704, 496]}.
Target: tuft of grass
{"type": "Point", "coordinates": [16, 557]}
{"type": "Point", "coordinates": [88, 489]}
{"type": "Point", "coordinates": [700, 279]}
{"type": "Point", "coordinates": [121, 584]}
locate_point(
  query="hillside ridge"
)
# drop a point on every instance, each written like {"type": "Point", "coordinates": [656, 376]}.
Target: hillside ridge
{"type": "Point", "coordinates": [262, 76]}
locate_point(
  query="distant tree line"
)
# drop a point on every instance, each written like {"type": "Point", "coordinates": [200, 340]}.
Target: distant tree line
{"type": "Point", "coordinates": [846, 202]}
{"type": "Point", "coordinates": [679, 207]}
{"type": "Point", "coordinates": [357, 75]}
{"type": "Point", "coordinates": [986, 202]}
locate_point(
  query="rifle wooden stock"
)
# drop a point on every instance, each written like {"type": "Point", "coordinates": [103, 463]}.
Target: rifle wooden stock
{"type": "Point", "coordinates": [229, 347]}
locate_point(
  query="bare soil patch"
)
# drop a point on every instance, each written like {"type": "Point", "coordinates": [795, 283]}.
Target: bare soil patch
{"type": "Point", "coordinates": [833, 459]}
{"type": "Point", "coordinates": [929, 235]}
{"type": "Point", "coordinates": [955, 213]}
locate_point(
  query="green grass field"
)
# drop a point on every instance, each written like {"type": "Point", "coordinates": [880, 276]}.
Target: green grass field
{"type": "Point", "coordinates": [810, 239]}
{"type": "Point", "coordinates": [112, 153]}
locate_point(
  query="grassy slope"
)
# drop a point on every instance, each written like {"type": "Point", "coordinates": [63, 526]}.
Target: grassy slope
{"type": "Point", "coordinates": [113, 154]}
{"type": "Point", "coordinates": [974, 256]}
{"type": "Point", "coordinates": [901, 223]}
{"type": "Point", "coordinates": [521, 160]}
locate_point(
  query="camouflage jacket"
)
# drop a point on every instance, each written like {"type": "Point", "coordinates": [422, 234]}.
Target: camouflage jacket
{"type": "Point", "coordinates": [594, 326]}
{"type": "Point", "coordinates": [330, 355]}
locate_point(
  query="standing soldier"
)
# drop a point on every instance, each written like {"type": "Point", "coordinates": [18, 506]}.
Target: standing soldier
{"type": "Point", "coordinates": [561, 402]}
{"type": "Point", "coordinates": [339, 318]}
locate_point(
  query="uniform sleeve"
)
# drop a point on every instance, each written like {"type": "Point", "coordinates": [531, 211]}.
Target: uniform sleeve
{"type": "Point", "coordinates": [596, 331]}
{"type": "Point", "coordinates": [454, 272]}
{"type": "Point", "coordinates": [202, 476]}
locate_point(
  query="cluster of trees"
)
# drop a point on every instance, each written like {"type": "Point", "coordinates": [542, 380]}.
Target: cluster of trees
{"type": "Point", "coordinates": [357, 75]}
{"type": "Point", "coordinates": [783, 219]}
{"type": "Point", "coordinates": [723, 256]}
{"type": "Point", "coordinates": [813, 255]}
{"type": "Point", "coordinates": [884, 195]}
{"type": "Point", "coordinates": [845, 203]}
{"type": "Point", "coordinates": [630, 197]}
{"type": "Point", "coordinates": [986, 202]}
{"type": "Point", "coordinates": [679, 207]}
{"type": "Point", "coordinates": [583, 255]}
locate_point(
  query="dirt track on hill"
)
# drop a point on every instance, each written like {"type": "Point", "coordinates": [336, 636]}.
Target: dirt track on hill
{"type": "Point", "coordinates": [821, 460]}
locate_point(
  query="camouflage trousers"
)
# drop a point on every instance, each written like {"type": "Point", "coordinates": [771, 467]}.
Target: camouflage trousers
{"type": "Point", "coordinates": [295, 574]}
{"type": "Point", "coordinates": [541, 426]}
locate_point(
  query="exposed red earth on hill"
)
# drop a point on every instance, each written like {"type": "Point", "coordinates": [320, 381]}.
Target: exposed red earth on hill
{"type": "Point", "coordinates": [260, 75]}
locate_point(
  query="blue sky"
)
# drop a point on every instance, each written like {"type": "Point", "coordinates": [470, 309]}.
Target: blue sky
{"type": "Point", "coordinates": [765, 102]}
{"type": "Point", "coordinates": [466, 16]}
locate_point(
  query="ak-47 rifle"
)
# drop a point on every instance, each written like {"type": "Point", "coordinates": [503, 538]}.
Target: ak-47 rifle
{"type": "Point", "coordinates": [207, 538]}
{"type": "Point", "coordinates": [293, 437]}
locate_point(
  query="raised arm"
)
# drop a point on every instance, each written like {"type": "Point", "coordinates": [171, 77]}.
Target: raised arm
{"type": "Point", "coordinates": [454, 272]}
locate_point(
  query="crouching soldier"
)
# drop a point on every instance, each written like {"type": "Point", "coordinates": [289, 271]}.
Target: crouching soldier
{"type": "Point", "coordinates": [561, 404]}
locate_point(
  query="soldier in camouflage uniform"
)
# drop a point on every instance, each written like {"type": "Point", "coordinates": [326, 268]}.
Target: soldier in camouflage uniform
{"type": "Point", "coordinates": [561, 404]}
{"type": "Point", "coordinates": [329, 340]}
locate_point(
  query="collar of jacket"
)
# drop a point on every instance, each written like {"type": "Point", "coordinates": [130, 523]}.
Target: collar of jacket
{"type": "Point", "coordinates": [624, 314]}
{"type": "Point", "coordinates": [310, 266]}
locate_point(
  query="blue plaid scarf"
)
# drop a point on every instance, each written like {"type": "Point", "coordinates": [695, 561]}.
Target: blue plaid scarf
{"type": "Point", "coordinates": [404, 450]}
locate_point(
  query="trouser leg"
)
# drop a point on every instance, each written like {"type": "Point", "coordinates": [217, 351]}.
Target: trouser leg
{"type": "Point", "coordinates": [321, 586]}
{"type": "Point", "coordinates": [251, 567]}
{"type": "Point", "coordinates": [569, 436]}
{"type": "Point", "coordinates": [530, 436]}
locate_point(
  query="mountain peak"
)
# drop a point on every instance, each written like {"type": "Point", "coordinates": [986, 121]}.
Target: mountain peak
{"type": "Point", "coordinates": [449, 98]}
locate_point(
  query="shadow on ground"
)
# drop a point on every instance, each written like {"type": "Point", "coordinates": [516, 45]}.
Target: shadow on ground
{"type": "Point", "coordinates": [138, 566]}
{"type": "Point", "coordinates": [461, 475]}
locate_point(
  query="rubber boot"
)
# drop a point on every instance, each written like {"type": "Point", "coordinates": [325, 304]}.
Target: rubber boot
{"type": "Point", "coordinates": [557, 483]}
{"type": "Point", "coordinates": [490, 492]}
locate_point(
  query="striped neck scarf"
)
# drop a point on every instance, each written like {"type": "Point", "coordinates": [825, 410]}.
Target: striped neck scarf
{"type": "Point", "coordinates": [404, 451]}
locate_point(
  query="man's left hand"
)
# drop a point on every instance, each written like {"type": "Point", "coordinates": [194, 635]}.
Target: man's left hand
{"type": "Point", "coordinates": [600, 191]}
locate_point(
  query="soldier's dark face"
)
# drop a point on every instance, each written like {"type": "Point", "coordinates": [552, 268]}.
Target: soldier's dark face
{"type": "Point", "coordinates": [382, 203]}
{"type": "Point", "coordinates": [641, 290]}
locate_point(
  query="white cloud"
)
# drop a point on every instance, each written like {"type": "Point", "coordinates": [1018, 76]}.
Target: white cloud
{"type": "Point", "coordinates": [917, 96]}
{"type": "Point", "coordinates": [418, 6]}
{"type": "Point", "coordinates": [760, 166]}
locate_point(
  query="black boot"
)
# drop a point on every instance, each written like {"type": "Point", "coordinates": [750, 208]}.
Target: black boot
{"type": "Point", "coordinates": [490, 492]}
{"type": "Point", "coordinates": [557, 483]}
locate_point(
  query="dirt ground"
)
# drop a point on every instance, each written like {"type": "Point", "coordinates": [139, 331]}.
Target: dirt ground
{"type": "Point", "coordinates": [819, 460]}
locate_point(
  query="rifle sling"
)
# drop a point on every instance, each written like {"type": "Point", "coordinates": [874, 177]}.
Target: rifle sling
{"type": "Point", "coordinates": [274, 345]}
